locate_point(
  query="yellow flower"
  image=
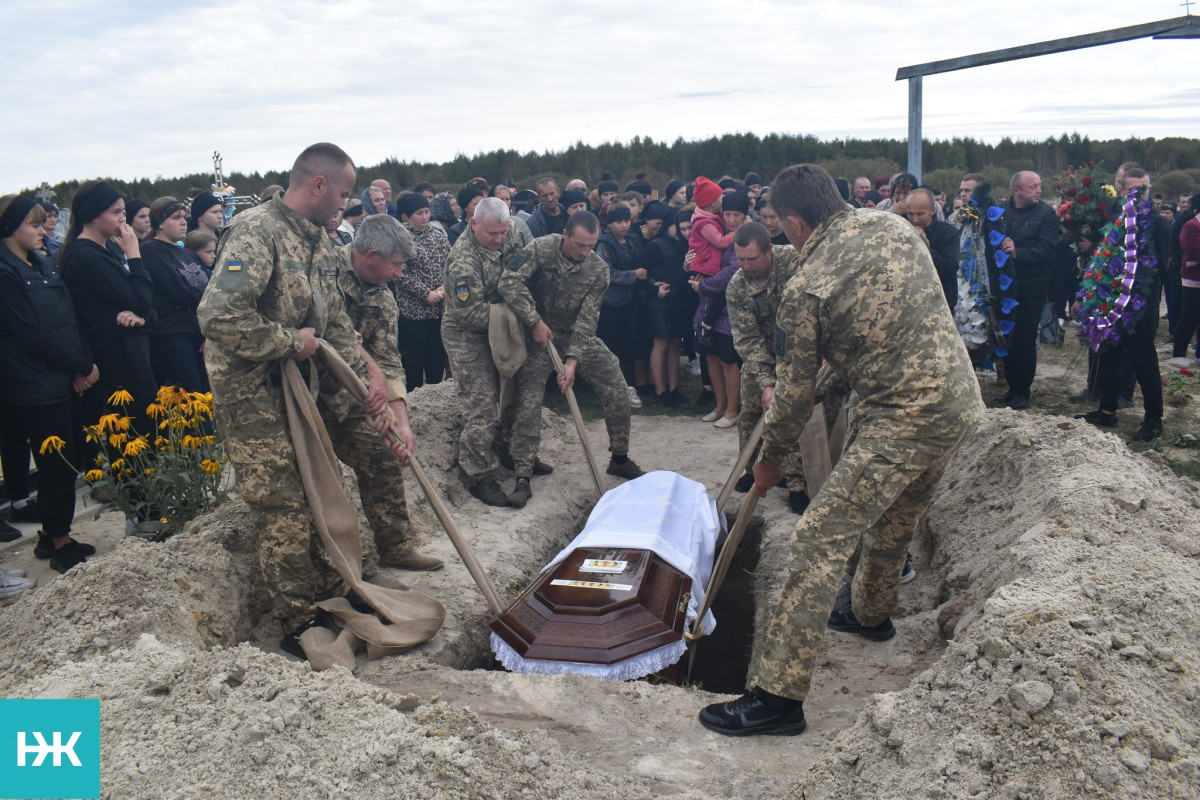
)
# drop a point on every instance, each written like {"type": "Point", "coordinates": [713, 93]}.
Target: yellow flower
{"type": "Point", "coordinates": [211, 467]}
{"type": "Point", "coordinates": [118, 464]}
{"type": "Point", "coordinates": [155, 410]}
{"type": "Point", "coordinates": [120, 398]}
{"type": "Point", "coordinates": [210, 439]}
{"type": "Point", "coordinates": [91, 433]}
{"type": "Point", "coordinates": [52, 445]}
{"type": "Point", "coordinates": [118, 440]}
{"type": "Point", "coordinates": [99, 459]}
{"type": "Point", "coordinates": [192, 442]}
{"type": "Point", "coordinates": [93, 475]}
{"type": "Point", "coordinates": [108, 422]}
{"type": "Point", "coordinates": [160, 442]}
{"type": "Point", "coordinates": [164, 521]}
{"type": "Point", "coordinates": [149, 470]}
{"type": "Point", "coordinates": [165, 394]}
{"type": "Point", "coordinates": [123, 423]}
{"type": "Point", "coordinates": [136, 446]}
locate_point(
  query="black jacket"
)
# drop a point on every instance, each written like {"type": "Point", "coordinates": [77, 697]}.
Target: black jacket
{"type": "Point", "coordinates": [622, 260]}
{"type": "Point", "coordinates": [175, 300]}
{"type": "Point", "coordinates": [1034, 231]}
{"type": "Point", "coordinates": [944, 247]}
{"type": "Point", "coordinates": [40, 346]}
{"type": "Point", "coordinates": [102, 289]}
{"type": "Point", "coordinates": [663, 260]}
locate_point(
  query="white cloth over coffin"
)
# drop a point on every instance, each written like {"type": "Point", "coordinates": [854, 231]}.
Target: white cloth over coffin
{"type": "Point", "coordinates": [663, 512]}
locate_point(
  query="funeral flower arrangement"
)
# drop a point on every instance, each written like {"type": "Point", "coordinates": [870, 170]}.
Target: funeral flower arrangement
{"type": "Point", "coordinates": [1082, 210]}
{"type": "Point", "coordinates": [163, 480]}
{"type": "Point", "coordinates": [986, 290]}
{"type": "Point", "coordinates": [1120, 274]}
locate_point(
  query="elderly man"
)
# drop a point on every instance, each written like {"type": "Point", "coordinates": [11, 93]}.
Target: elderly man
{"type": "Point", "coordinates": [867, 302]}
{"type": "Point", "coordinates": [1030, 236]}
{"type": "Point", "coordinates": [861, 187]}
{"type": "Point", "coordinates": [753, 294]}
{"type": "Point", "coordinates": [549, 217]}
{"type": "Point", "coordinates": [555, 286]}
{"type": "Point", "coordinates": [472, 280]}
{"type": "Point", "coordinates": [273, 295]}
{"type": "Point", "coordinates": [940, 237]}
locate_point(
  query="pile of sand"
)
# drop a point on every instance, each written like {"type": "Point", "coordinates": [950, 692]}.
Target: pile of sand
{"type": "Point", "coordinates": [1062, 566]}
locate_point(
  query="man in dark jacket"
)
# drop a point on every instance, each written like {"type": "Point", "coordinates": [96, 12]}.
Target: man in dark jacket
{"type": "Point", "coordinates": [942, 239]}
{"type": "Point", "coordinates": [1031, 232]}
{"type": "Point", "coordinates": [549, 217]}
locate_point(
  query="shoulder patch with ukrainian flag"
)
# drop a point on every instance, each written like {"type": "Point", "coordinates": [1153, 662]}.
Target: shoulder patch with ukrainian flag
{"type": "Point", "coordinates": [461, 290]}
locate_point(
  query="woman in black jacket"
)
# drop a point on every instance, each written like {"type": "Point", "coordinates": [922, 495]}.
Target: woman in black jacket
{"type": "Point", "coordinates": [179, 280]}
{"type": "Point", "coordinates": [42, 361]}
{"type": "Point", "coordinates": [113, 300]}
{"type": "Point", "coordinates": [667, 310]}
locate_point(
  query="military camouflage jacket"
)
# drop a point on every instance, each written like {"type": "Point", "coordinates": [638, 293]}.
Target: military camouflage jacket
{"type": "Point", "coordinates": [868, 301]}
{"type": "Point", "coordinates": [752, 310]}
{"type": "Point", "coordinates": [375, 315]}
{"type": "Point", "coordinates": [275, 273]}
{"type": "Point", "coordinates": [540, 284]}
{"type": "Point", "coordinates": [472, 277]}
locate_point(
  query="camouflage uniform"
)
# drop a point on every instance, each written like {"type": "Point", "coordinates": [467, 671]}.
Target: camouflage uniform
{"type": "Point", "coordinates": [867, 301]}
{"type": "Point", "coordinates": [752, 309]}
{"type": "Point", "coordinates": [374, 314]}
{"type": "Point", "coordinates": [275, 273]}
{"type": "Point", "coordinates": [540, 284]}
{"type": "Point", "coordinates": [472, 275]}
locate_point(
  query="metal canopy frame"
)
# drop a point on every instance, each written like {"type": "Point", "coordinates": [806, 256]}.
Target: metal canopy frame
{"type": "Point", "coordinates": [1186, 27]}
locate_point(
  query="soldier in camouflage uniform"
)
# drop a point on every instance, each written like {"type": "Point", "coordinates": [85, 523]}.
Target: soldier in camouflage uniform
{"type": "Point", "coordinates": [754, 293]}
{"type": "Point", "coordinates": [868, 301]}
{"type": "Point", "coordinates": [380, 248]}
{"type": "Point", "coordinates": [555, 286]}
{"type": "Point", "coordinates": [472, 276]}
{"type": "Point", "coordinates": [273, 294]}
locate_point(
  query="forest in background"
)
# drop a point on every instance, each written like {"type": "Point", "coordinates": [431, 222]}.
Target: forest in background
{"type": "Point", "coordinates": [1173, 162]}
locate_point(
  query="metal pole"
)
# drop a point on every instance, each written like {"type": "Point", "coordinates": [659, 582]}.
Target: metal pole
{"type": "Point", "coordinates": [914, 126]}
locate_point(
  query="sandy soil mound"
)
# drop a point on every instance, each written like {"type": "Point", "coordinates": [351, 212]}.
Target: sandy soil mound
{"type": "Point", "coordinates": [1072, 584]}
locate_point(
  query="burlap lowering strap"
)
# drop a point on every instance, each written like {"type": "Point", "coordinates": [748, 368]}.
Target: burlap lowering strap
{"type": "Point", "coordinates": [411, 618]}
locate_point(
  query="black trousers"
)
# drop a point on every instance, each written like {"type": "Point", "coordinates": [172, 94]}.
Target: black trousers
{"type": "Point", "coordinates": [56, 471]}
{"type": "Point", "coordinates": [1185, 326]}
{"type": "Point", "coordinates": [1138, 342]}
{"type": "Point", "coordinates": [421, 352]}
{"type": "Point", "coordinates": [1021, 363]}
{"type": "Point", "coordinates": [14, 456]}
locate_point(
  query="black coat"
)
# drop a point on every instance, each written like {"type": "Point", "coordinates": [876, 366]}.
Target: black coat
{"type": "Point", "coordinates": [622, 260]}
{"type": "Point", "coordinates": [102, 289]}
{"type": "Point", "coordinates": [175, 300]}
{"type": "Point", "coordinates": [1034, 231]}
{"type": "Point", "coordinates": [41, 350]}
{"type": "Point", "coordinates": [944, 247]}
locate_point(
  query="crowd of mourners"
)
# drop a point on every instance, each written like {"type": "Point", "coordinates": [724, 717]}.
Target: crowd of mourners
{"type": "Point", "coordinates": [110, 302]}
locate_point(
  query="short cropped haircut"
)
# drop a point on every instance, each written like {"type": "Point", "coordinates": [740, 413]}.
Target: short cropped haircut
{"type": "Point", "coordinates": [491, 209]}
{"type": "Point", "coordinates": [973, 176]}
{"type": "Point", "coordinates": [582, 219]}
{"type": "Point", "coordinates": [385, 235]}
{"type": "Point", "coordinates": [806, 191]}
{"type": "Point", "coordinates": [753, 233]}
{"type": "Point", "coordinates": [543, 182]}
{"type": "Point", "coordinates": [323, 159]}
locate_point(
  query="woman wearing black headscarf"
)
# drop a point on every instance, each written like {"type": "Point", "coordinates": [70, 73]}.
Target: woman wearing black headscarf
{"type": "Point", "coordinates": [179, 280]}
{"type": "Point", "coordinates": [114, 299]}
{"type": "Point", "coordinates": [208, 214]}
{"type": "Point", "coordinates": [43, 362]}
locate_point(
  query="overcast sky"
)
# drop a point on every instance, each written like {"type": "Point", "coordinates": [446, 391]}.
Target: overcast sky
{"type": "Point", "coordinates": [134, 89]}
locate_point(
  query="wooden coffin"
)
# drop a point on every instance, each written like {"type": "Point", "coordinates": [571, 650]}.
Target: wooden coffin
{"type": "Point", "coordinates": [584, 610]}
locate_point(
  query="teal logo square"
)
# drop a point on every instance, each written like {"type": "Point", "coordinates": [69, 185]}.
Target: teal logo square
{"type": "Point", "coordinates": [49, 749]}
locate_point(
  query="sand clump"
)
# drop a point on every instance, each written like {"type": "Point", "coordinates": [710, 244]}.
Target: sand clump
{"type": "Point", "coordinates": [1049, 648]}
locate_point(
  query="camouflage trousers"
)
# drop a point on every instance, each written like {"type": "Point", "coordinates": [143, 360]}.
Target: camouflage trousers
{"type": "Point", "coordinates": [478, 385]}
{"type": "Point", "coordinates": [871, 501]}
{"type": "Point", "coordinates": [294, 564]}
{"type": "Point", "coordinates": [599, 367]}
{"type": "Point", "coordinates": [752, 411]}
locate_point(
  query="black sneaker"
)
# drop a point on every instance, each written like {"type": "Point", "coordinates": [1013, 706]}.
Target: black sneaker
{"type": "Point", "coordinates": [667, 399]}
{"type": "Point", "coordinates": [798, 502]}
{"type": "Point", "coordinates": [744, 483]}
{"type": "Point", "coordinates": [908, 574]}
{"type": "Point", "coordinates": [521, 494]}
{"type": "Point", "coordinates": [644, 391]}
{"type": "Point", "coordinates": [489, 492]}
{"type": "Point", "coordinates": [8, 533]}
{"type": "Point", "coordinates": [1019, 402]}
{"type": "Point", "coordinates": [678, 397]}
{"type": "Point", "coordinates": [44, 548]}
{"type": "Point", "coordinates": [290, 643]}
{"type": "Point", "coordinates": [757, 712]}
{"type": "Point", "coordinates": [705, 398]}
{"type": "Point", "coordinates": [28, 513]}
{"type": "Point", "coordinates": [843, 619]}
{"type": "Point", "coordinates": [1099, 419]}
{"type": "Point", "coordinates": [67, 556]}
{"type": "Point", "coordinates": [627, 470]}
{"type": "Point", "coordinates": [1003, 399]}
{"type": "Point", "coordinates": [1151, 429]}
{"type": "Point", "coordinates": [539, 467]}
